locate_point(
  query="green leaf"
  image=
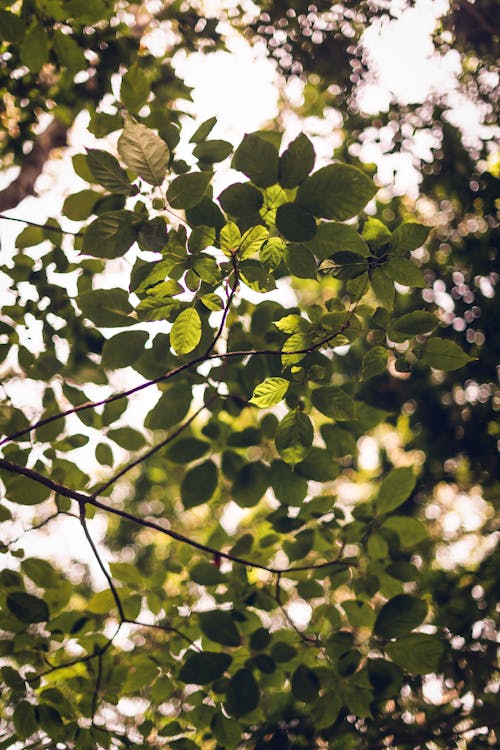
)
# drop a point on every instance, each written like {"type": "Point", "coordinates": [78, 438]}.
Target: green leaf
{"type": "Point", "coordinates": [410, 530]}
{"type": "Point", "coordinates": [186, 331]}
{"type": "Point", "coordinates": [383, 287]}
{"type": "Point", "coordinates": [270, 392]}
{"type": "Point", "coordinates": [405, 272]}
{"type": "Point", "coordinates": [206, 574]}
{"type": "Point", "coordinates": [242, 694]}
{"type": "Point", "coordinates": [337, 191]}
{"type": "Point", "coordinates": [230, 238]}
{"type": "Point", "coordinates": [409, 236]}
{"type": "Point", "coordinates": [187, 449]}
{"type": "Point", "coordinates": [134, 90]}
{"type": "Point", "coordinates": [40, 571]}
{"type": "Point", "coordinates": [296, 162]}
{"type": "Point", "coordinates": [106, 307]}
{"type": "Point", "coordinates": [295, 222]}
{"type": "Point", "coordinates": [288, 486]}
{"type": "Point", "coordinates": [144, 152]}
{"type": "Point", "coordinates": [68, 52]}
{"type": "Point", "coordinates": [226, 731]}
{"type": "Point", "coordinates": [202, 668]}
{"type": "Point", "coordinates": [127, 437]}
{"type": "Point", "coordinates": [415, 323]}
{"type": "Point", "coordinates": [294, 437]}
{"type": "Point", "coordinates": [24, 491]}
{"type": "Point", "coordinates": [376, 234]}
{"type": "Point", "coordinates": [334, 237]}
{"type": "Point", "coordinates": [417, 653]}
{"type": "Point", "coordinates": [374, 362]}
{"type": "Point", "coordinates": [107, 171]}
{"type": "Point", "coordinates": [271, 253]}
{"type": "Point", "coordinates": [219, 627]}
{"type": "Point", "coordinates": [110, 235]}
{"type": "Point", "coordinates": [305, 684]}
{"type": "Point", "coordinates": [13, 27]}
{"type": "Point", "coordinates": [400, 615]}
{"type": "Point", "coordinates": [258, 159]}
{"type": "Point", "coordinates": [199, 484]}
{"type": "Point", "coordinates": [250, 484]}
{"type": "Point", "coordinates": [203, 131]}
{"type": "Point", "coordinates": [442, 354]}
{"type": "Point", "coordinates": [79, 206]}
{"type": "Point", "coordinates": [335, 403]}
{"type": "Point", "coordinates": [212, 151]}
{"type": "Point", "coordinates": [251, 241]}
{"type": "Point", "coordinates": [25, 721]}
{"type": "Point", "coordinates": [26, 607]}
{"type": "Point", "coordinates": [187, 190]}
{"type": "Point", "coordinates": [170, 409]}
{"type": "Point", "coordinates": [396, 487]}
{"type": "Point", "coordinates": [34, 49]}
{"type": "Point", "coordinates": [123, 349]}
{"type": "Point", "coordinates": [241, 199]}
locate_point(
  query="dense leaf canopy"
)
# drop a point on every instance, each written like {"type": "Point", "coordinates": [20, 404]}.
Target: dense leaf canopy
{"type": "Point", "coordinates": [263, 416]}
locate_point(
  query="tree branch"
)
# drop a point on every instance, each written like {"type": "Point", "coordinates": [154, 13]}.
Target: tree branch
{"type": "Point", "coordinates": [54, 136]}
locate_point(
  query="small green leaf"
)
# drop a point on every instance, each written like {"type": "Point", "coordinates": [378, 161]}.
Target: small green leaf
{"type": "Point", "coordinates": [205, 667]}
{"type": "Point", "coordinates": [123, 349]}
{"type": "Point", "coordinates": [415, 323]}
{"type": "Point", "coordinates": [338, 191]}
{"type": "Point", "coordinates": [68, 52]}
{"type": "Point", "coordinates": [417, 653]}
{"type": "Point", "coordinates": [79, 206]}
{"type": "Point", "coordinates": [206, 574]}
{"type": "Point", "coordinates": [13, 27]}
{"type": "Point", "coordinates": [251, 241]}
{"type": "Point", "coordinates": [203, 131]}
{"type": "Point", "coordinates": [296, 162]}
{"type": "Point", "coordinates": [25, 721]}
{"type": "Point", "coordinates": [271, 253]}
{"type": "Point", "coordinates": [374, 362]}
{"type": "Point", "coordinates": [27, 608]}
{"type": "Point", "coordinates": [212, 151]}
{"type": "Point", "coordinates": [383, 287]}
{"type": "Point", "coordinates": [250, 484]}
{"type": "Point", "coordinates": [410, 530]}
{"type": "Point", "coordinates": [187, 449]}
{"type": "Point", "coordinates": [107, 171]}
{"type": "Point", "coordinates": [442, 354]}
{"type": "Point", "coordinates": [400, 615]}
{"type": "Point", "coordinates": [295, 222]}
{"type": "Point", "coordinates": [135, 88]}
{"type": "Point", "coordinates": [110, 235]}
{"type": "Point", "coordinates": [408, 236]}
{"type": "Point", "coordinates": [270, 392]}
{"type": "Point", "coordinates": [335, 403]}
{"type": "Point", "coordinates": [34, 49]}
{"type": "Point", "coordinates": [396, 487]}
{"type": "Point", "coordinates": [376, 234]}
{"type": "Point", "coordinates": [305, 684]}
{"type": "Point", "coordinates": [335, 237]}
{"type": "Point", "coordinates": [199, 484]}
{"type": "Point", "coordinates": [219, 627]}
{"type": "Point", "coordinates": [144, 152]}
{"type": "Point", "coordinates": [187, 190]}
{"type": "Point", "coordinates": [186, 331]}
{"type": "Point", "coordinates": [127, 438]}
{"type": "Point", "coordinates": [294, 437]}
{"type": "Point", "coordinates": [230, 238]}
{"type": "Point", "coordinates": [257, 157]}
{"type": "Point", "coordinates": [106, 307]}
{"type": "Point", "coordinates": [241, 199]}
{"type": "Point", "coordinates": [242, 694]}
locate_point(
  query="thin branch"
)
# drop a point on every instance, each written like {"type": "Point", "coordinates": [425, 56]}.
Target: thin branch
{"type": "Point", "coordinates": [277, 596]}
{"type": "Point", "coordinates": [45, 227]}
{"type": "Point", "coordinates": [81, 498]}
{"type": "Point", "coordinates": [54, 136]}
{"type": "Point", "coordinates": [95, 696]}
{"type": "Point", "coordinates": [166, 629]}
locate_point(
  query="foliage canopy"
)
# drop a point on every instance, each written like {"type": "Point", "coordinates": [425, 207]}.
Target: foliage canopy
{"type": "Point", "coordinates": [259, 583]}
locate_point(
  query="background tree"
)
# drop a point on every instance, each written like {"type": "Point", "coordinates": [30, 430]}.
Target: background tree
{"type": "Point", "coordinates": [241, 499]}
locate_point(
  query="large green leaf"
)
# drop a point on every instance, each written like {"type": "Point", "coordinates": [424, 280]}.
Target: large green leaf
{"type": "Point", "coordinates": [124, 349]}
{"type": "Point", "coordinates": [202, 668]}
{"type": "Point", "coordinates": [186, 331]}
{"type": "Point", "coordinates": [337, 191]}
{"type": "Point", "coordinates": [418, 653]}
{"type": "Point", "coordinates": [408, 236]}
{"type": "Point", "coordinates": [415, 323]}
{"type": "Point", "coordinates": [305, 684]}
{"type": "Point", "coordinates": [294, 437]}
{"type": "Point", "coordinates": [106, 307]}
{"type": "Point", "coordinates": [334, 237]}
{"type": "Point", "coordinates": [250, 484]}
{"type": "Point", "coordinates": [257, 157]}
{"type": "Point", "coordinates": [396, 487]}
{"type": "Point", "coordinates": [410, 530]}
{"type": "Point", "coordinates": [444, 355]}
{"type": "Point", "coordinates": [241, 199]}
{"type": "Point", "coordinates": [199, 484]}
{"type": "Point", "coordinates": [107, 171]}
{"type": "Point", "coordinates": [110, 235]}
{"type": "Point", "coordinates": [296, 162]}
{"type": "Point", "coordinates": [334, 403]}
{"type": "Point", "coordinates": [187, 190]}
{"type": "Point", "coordinates": [144, 152]}
{"type": "Point", "coordinates": [270, 392]}
{"type": "Point", "coordinates": [26, 607]}
{"type": "Point", "coordinates": [242, 694]}
{"type": "Point", "coordinates": [400, 615]}
{"type": "Point", "coordinates": [295, 222]}
{"type": "Point", "coordinates": [219, 627]}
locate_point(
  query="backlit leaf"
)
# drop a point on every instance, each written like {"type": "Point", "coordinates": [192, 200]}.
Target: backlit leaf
{"type": "Point", "coordinates": [186, 331]}
{"type": "Point", "coordinates": [270, 392]}
{"type": "Point", "coordinates": [144, 152]}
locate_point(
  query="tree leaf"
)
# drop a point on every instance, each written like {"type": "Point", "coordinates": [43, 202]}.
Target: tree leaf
{"type": "Point", "coordinates": [212, 151]}
{"type": "Point", "coordinates": [405, 272]}
{"type": "Point", "coordinates": [250, 484]}
{"type": "Point", "coordinates": [187, 190]}
{"type": "Point", "coordinates": [294, 437]}
{"type": "Point", "coordinates": [219, 627]}
{"type": "Point", "coordinates": [305, 684]}
{"type": "Point", "coordinates": [25, 721]}
{"type": "Point", "coordinates": [374, 362]}
{"type": "Point", "coordinates": [186, 331]}
{"type": "Point", "coordinates": [295, 222]}
{"type": "Point", "coordinates": [203, 130]}
{"type": "Point", "coordinates": [110, 235]}
{"type": "Point", "coordinates": [396, 487]}
{"type": "Point", "coordinates": [337, 191]}
{"type": "Point", "coordinates": [415, 323]}
{"type": "Point", "coordinates": [296, 162]}
{"type": "Point", "coordinates": [241, 199]}
{"type": "Point", "coordinates": [409, 236]}
{"type": "Point", "coordinates": [26, 607]}
{"type": "Point", "coordinates": [144, 152]}
{"type": "Point", "coordinates": [442, 354]}
{"type": "Point", "coordinates": [34, 49]}
{"type": "Point", "coordinates": [335, 403]}
{"type": "Point", "coordinates": [333, 237]}
{"type": "Point", "coordinates": [242, 694]}
{"type": "Point", "coordinates": [199, 484]}
{"type": "Point", "coordinates": [417, 653]}
{"type": "Point", "coordinates": [107, 171]}
{"type": "Point", "coordinates": [135, 88]}
{"type": "Point", "coordinates": [202, 668]}
{"type": "Point", "coordinates": [123, 349]}
{"type": "Point", "coordinates": [270, 392]}
{"type": "Point", "coordinates": [400, 615]}
{"type": "Point", "coordinates": [257, 157]}
{"type": "Point", "coordinates": [106, 307]}
{"type": "Point", "coordinates": [410, 530]}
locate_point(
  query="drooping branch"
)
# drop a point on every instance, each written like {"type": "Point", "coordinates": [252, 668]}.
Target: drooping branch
{"type": "Point", "coordinates": [54, 136]}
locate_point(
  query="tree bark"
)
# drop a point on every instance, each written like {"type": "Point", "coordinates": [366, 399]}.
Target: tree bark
{"type": "Point", "coordinates": [54, 136]}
